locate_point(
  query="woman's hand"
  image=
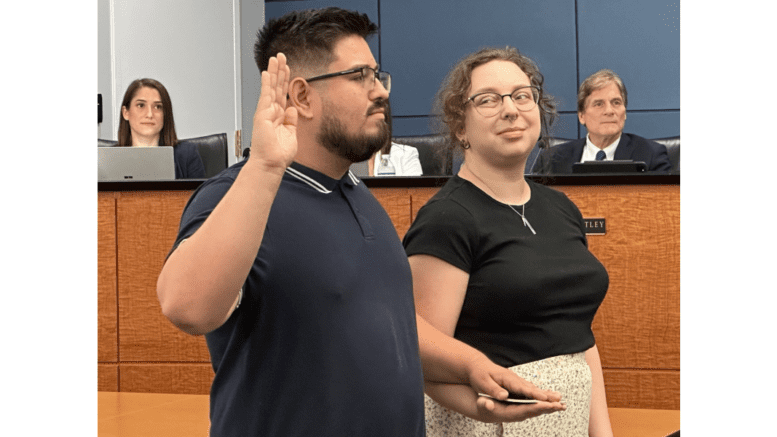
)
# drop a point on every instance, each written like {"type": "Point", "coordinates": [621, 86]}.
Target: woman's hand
{"type": "Point", "coordinates": [463, 399]}
{"type": "Point", "coordinates": [274, 137]}
{"type": "Point", "coordinates": [490, 411]}
{"type": "Point", "coordinates": [494, 380]}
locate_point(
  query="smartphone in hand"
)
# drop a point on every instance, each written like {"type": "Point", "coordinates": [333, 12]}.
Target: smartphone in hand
{"type": "Point", "coordinates": [513, 398]}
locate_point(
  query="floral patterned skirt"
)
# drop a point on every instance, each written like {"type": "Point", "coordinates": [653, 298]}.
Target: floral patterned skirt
{"type": "Point", "coordinates": [566, 374]}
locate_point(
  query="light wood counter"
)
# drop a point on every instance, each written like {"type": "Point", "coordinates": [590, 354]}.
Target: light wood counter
{"type": "Point", "coordinates": [172, 415]}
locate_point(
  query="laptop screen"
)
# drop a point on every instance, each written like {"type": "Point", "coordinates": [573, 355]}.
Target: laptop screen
{"type": "Point", "coordinates": [135, 163]}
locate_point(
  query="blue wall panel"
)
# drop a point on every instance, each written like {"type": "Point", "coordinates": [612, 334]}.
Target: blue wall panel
{"type": "Point", "coordinates": [639, 40]}
{"type": "Point", "coordinates": [565, 126]}
{"type": "Point", "coordinates": [421, 41]}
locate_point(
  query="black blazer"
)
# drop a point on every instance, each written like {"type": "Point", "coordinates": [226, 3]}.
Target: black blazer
{"type": "Point", "coordinates": [188, 164]}
{"type": "Point", "coordinates": [559, 159]}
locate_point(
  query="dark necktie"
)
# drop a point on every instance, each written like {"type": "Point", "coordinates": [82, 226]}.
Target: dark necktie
{"type": "Point", "coordinates": [600, 155]}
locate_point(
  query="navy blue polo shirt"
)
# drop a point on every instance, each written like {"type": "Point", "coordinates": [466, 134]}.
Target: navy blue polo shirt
{"type": "Point", "coordinates": [324, 340]}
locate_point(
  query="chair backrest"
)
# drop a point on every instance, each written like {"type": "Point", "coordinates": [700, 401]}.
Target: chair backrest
{"type": "Point", "coordinates": [673, 149]}
{"type": "Point", "coordinates": [435, 158]}
{"type": "Point", "coordinates": [535, 152]}
{"type": "Point", "coordinates": [106, 143]}
{"type": "Point", "coordinates": [213, 152]}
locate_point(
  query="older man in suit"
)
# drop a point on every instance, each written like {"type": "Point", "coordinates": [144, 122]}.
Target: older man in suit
{"type": "Point", "coordinates": [601, 108]}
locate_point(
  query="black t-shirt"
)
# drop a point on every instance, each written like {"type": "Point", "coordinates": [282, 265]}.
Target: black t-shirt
{"type": "Point", "coordinates": [529, 296]}
{"type": "Point", "coordinates": [324, 341]}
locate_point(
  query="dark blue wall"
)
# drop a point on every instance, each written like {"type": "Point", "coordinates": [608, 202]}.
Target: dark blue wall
{"type": "Point", "coordinates": [420, 41]}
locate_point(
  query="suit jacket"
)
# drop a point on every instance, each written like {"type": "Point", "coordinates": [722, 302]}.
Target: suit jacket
{"type": "Point", "coordinates": [188, 164]}
{"type": "Point", "coordinates": [559, 159]}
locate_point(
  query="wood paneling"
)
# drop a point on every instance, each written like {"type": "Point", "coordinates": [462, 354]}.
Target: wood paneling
{"type": "Point", "coordinates": [178, 378]}
{"type": "Point", "coordinates": [107, 377]}
{"type": "Point", "coordinates": [147, 225]}
{"type": "Point", "coordinates": [396, 202]}
{"type": "Point", "coordinates": [107, 335]}
{"type": "Point", "coordinates": [638, 324]}
{"type": "Point", "coordinates": [637, 328]}
{"type": "Point", "coordinates": [642, 388]}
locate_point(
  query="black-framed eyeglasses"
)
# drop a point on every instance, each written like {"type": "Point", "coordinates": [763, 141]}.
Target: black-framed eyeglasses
{"type": "Point", "coordinates": [365, 73]}
{"type": "Point", "coordinates": [489, 104]}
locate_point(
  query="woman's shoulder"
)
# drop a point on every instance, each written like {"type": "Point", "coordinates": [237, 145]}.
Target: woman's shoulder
{"type": "Point", "coordinates": [541, 190]}
{"type": "Point", "coordinates": [454, 199]}
{"type": "Point", "coordinates": [543, 193]}
{"type": "Point", "coordinates": [185, 147]}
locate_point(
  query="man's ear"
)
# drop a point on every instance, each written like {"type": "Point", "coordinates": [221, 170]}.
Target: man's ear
{"type": "Point", "coordinates": [300, 96]}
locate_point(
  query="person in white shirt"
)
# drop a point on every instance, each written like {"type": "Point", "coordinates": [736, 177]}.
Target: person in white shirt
{"type": "Point", "coordinates": [403, 159]}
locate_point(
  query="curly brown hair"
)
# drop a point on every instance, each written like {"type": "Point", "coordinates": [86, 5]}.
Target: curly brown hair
{"type": "Point", "coordinates": [450, 101]}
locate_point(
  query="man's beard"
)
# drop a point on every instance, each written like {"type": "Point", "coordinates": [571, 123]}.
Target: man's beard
{"type": "Point", "coordinates": [355, 148]}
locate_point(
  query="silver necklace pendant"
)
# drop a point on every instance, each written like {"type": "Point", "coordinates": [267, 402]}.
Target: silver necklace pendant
{"type": "Point", "coordinates": [525, 222]}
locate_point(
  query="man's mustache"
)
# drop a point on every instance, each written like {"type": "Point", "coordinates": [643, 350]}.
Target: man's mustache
{"type": "Point", "coordinates": [380, 105]}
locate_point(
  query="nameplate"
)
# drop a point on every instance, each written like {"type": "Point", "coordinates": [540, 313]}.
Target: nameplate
{"type": "Point", "coordinates": [595, 226]}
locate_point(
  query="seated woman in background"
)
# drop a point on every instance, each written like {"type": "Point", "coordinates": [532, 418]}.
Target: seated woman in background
{"type": "Point", "coordinates": [146, 120]}
{"type": "Point", "coordinates": [502, 275]}
{"type": "Point", "coordinates": [393, 159]}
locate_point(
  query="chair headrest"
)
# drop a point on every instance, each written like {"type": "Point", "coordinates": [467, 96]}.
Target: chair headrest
{"type": "Point", "coordinates": [669, 142]}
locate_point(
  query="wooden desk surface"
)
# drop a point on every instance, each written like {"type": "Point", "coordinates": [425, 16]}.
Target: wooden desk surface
{"type": "Point", "coordinates": [121, 414]}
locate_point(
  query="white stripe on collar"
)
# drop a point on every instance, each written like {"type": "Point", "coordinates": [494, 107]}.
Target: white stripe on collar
{"type": "Point", "coordinates": [308, 180]}
{"type": "Point", "coordinates": [353, 178]}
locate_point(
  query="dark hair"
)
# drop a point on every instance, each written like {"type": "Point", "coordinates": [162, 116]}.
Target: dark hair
{"type": "Point", "coordinates": [451, 99]}
{"type": "Point", "coordinates": [308, 37]}
{"type": "Point", "coordinates": [167, 136]}
{"type": "Point", "coordinates": [598, 80]}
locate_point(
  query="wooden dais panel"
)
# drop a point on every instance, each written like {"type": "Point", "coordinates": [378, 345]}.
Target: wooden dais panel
{"type": "Point", "coordinates": [107, 323]}
{"type": "Point", "coordinates": [147, 226]}
{"type": "Point", "coordinates": [181, 378]}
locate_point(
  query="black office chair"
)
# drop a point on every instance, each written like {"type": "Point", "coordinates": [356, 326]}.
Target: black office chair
{"type": "Point", "coordinates": [435, 158]}
{"type": "Point", "coordinates": [106, 143]}
{"type": "Point", "coordinates": [673, 149]}
{"type": "Point", "coordinates": [535, 152]}
{"type": "Point", "coordinates": [213, 152]}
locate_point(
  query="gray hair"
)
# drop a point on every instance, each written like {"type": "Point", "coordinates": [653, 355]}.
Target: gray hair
{"type": "Point", "coordinates": [596, 81]}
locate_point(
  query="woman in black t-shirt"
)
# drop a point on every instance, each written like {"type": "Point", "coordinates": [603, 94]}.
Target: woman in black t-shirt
{"type": "Point", "coordinates": [505, 287]}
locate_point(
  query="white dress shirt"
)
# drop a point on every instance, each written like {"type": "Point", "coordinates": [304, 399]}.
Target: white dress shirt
{"type": "Point", "coordinates": [404, 158]}
{"type": "Point", "coordinates": [589, 151]}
